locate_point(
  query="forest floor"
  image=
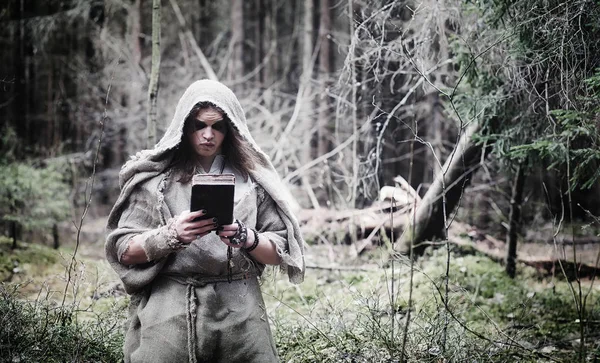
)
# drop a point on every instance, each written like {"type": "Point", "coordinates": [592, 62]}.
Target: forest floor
{"type": "Point", "coordinates": [354, 307]}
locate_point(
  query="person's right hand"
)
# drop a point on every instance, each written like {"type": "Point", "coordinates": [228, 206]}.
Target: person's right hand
{"type": "Point", "coordinates": [189, 230]}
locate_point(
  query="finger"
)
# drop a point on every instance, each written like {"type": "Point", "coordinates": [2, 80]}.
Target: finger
{"type": "Point", "coordinates": [228, 243]}
{"type": "Point", "coordinates": [202, 223]}
{"type": "Point", "coordinates": [205, 229]}
{"type": "Point", "coordinates": [231, 231]}
{"type": "Point", "coordinates": [193, 215]}
{"type": "Point", "coordinates": [226, 233]}
{"type": "Point", "coordinates": [230, 227]}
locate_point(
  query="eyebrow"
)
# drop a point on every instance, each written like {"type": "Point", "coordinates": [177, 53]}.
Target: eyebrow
{"type": "Point", "coordinates": [196, 120]}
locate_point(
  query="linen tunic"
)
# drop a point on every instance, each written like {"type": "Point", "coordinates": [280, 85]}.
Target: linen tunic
{"type": "Point", "coordinates": [179, 302]}
{"type": "Point", "coordinates": [190, 312]}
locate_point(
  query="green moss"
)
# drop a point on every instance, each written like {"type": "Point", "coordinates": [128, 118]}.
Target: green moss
{"type": "Point", "coordinates": [13, 261]}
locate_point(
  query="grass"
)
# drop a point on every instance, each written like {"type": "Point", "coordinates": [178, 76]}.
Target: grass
{"type": "Point", "coordinates": [347, 316]}
{"type": "Point", "coordinates": [344, 315]}
{"type": "Point", "coordinates": [38, 327]}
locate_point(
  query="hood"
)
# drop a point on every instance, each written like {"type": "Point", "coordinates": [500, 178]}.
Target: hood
{"type": "Point", "coordinates": [200, 91]}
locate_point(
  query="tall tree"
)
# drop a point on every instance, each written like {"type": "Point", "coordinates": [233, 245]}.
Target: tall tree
{"type": "Point", "coordinates": [305, 92]}
{"type": "Point", "coordinates": [154, 75]}
{"type": "Point", "coordinates": [514, 216]}
{"type": "Point", "coordinates": [236, 61]}
{"type": "Point", "coordinates": [135, 31]}
{"type": "Point", "coordinates": [324, 74]}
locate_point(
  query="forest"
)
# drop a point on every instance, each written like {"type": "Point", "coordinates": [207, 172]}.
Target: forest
{"type": "Point", "coordinates": [442, 158]}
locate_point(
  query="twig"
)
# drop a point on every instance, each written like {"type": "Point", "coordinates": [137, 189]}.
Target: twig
{"type": "Point", "coordinates": [201, 57]}
{"type": "Point", "coordinates": [90, 183]}
{"type": "Point", "coordinates": [341, 268]}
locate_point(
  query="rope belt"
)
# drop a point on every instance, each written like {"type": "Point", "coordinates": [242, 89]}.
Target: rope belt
{"type": "Point", "coordinates": [191, 301]}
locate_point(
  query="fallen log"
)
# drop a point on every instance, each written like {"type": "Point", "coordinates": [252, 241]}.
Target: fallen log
{"type": "Point", "coordinates": [339, 226]}
{"type": "Point", "coordinates": [548, 261]}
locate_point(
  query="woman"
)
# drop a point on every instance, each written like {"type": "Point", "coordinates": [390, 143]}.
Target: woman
{"type": "Point", "coordinates": [194, 284]}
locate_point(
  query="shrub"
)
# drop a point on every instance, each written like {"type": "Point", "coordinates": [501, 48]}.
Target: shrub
{"type": "Point", "coordinates": [37, 331]}
{"type": "Point", "coordinates": [34, 198]}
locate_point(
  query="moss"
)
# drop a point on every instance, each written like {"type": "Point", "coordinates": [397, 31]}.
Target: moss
{"type": "Point", "coordinates": [338, 316]}
{"type": "Point", "coordinates": [13, 261]}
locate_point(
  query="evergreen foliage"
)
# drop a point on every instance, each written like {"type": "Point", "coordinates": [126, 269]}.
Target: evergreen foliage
{"type": "Point", "coordinates": [33, 197]}
{"type": "Point", "coordinates": [534, 66]}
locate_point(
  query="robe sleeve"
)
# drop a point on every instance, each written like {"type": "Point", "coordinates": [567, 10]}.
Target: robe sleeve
{"type": "Point", "coordinates": [272, 226]}
{"type": "Point", "coordinates": [139, 215]}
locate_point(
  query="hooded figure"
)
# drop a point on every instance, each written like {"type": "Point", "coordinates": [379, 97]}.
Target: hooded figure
{"type": "Point", "coordinates": [193, 296]}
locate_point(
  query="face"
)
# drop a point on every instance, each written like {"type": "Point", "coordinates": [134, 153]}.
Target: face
{"type": "Point", "coordinates": [207, 133]}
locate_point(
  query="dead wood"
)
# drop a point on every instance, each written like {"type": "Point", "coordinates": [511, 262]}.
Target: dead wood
{"type": "Point", "coordinates": [544, 264]}
{"type": "Point", "coordinates": [575, 241]}
{"type": "Point", "coordinates": [364, 223]}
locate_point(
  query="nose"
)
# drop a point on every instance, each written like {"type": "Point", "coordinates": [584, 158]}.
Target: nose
{"type": "Point", "coordinates": [207, 133]}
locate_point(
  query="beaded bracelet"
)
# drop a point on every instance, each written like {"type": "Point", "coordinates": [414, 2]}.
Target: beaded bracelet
{"type": "Point", "coordinates": [251, 248]}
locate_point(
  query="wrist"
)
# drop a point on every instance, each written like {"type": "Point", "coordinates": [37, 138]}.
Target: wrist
{"type": "Point", "coordinates": [251, 245]}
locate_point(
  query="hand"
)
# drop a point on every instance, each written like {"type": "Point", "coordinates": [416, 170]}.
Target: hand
{"type": "Point", "coordinates": [229, 230]}
{"type": "Point", "coordinates": [189, 230]}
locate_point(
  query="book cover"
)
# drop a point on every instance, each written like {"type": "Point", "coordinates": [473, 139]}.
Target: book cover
{"type": "Point", "coordinates": [214, 192]}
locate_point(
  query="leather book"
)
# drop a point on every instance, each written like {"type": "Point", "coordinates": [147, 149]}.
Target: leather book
{"type": "Point", "coordinates": [214, 192]}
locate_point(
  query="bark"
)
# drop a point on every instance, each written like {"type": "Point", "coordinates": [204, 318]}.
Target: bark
{"type": "Point", "coordinates": [13, 234]}
{"type": "Point", "coordinates": [260, 39]}
{"type": "Point", "coordinates": [236, 64]}
{"type": "Point", "coordinates": [516, 200]}
{"type": "Point", "coordinates": [97, 18]}
{"type": "Point", "coordinates": [305, 85]}
{"type": "Point", "coordinates": [135, 31]}
{"type": "Point", "coordinates": [270, 27]}
{"type": "Point", "coordinates": [324, 72]}
{"type": "Point", "coordinates": [20, 113]}
{"type": "Point", "coordinates": [429, 219]}
{"type": "Point", "coordinates": [154, 75]}
{"type": "Point", "coordinates": [55, 236]}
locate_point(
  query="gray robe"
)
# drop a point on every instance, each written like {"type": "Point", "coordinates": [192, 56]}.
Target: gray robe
{"type": "Point", "coordinates": [182, 307]}
{"type": "Point", "coordinates": [190, 306]}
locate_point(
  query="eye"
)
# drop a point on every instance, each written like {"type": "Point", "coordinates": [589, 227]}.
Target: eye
{"type": "Point", "coordinates": [220, 126]}
{"type": "Point", "coordinates": [199, 125]}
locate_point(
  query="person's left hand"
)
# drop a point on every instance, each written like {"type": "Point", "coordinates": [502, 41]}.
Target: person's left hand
{"type": "Point", "coordinates": [229, 230]}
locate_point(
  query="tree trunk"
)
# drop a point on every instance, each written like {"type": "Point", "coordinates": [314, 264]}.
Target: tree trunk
{"type": "Point", "coordinates": [324, 72]}
{"type": "Point", "coordinates": [135, 31]}
{"type": "Point", "coordinates": [21, 100]}
{"type": "Point", "coordinates": [516, 199]}
{"type": "Point", "coordinates": [13, 234]}
{"type": "Point", "coordinates": [55, 236]}
{"type": "Point", "coordinates": [429, 219]}
{"type": "Point", "coordinates": [154, 75]}
{"type": "Point", "coordinates": [260, 39]}
{"type": "Point", "coordinates": [236, 63]}
{"type": "Point", "coordinates": [270, 73]}
{"type": "Point", "coordinates": [306, 118]}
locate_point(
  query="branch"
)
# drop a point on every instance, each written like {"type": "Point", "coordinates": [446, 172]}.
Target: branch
{"type": "Point", "coordinates": [188, 33]}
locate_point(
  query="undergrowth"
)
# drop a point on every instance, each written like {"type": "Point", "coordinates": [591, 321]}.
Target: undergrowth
{"type": "Point", "coordinates": [345, 315]}
{"type": "Point", "coordinates": [42, 331]}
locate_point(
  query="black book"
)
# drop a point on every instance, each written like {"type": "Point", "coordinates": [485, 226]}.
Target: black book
{"type": "Point", "coordinates": [214, 192]}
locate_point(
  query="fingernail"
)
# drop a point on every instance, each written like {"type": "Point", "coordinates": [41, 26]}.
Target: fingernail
{"type": "Point", "coordinates": [220, 228]}
{"type": "Point", "coordinates": [203, 211]}
{"type": "Point", "coordinates": [215, 220]}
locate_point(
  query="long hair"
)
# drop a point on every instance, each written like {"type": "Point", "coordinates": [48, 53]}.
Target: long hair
{"type": "Point", "coordinates": [236, 150]}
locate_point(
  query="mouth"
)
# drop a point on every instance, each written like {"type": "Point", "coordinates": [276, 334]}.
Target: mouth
{"type": "Point", "coordinates": [206, 144]}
